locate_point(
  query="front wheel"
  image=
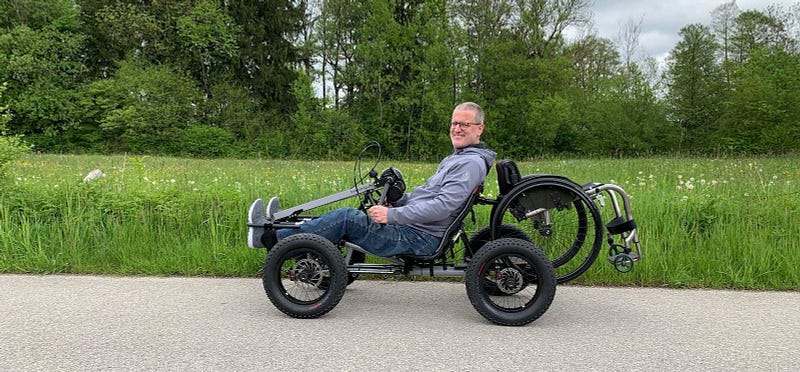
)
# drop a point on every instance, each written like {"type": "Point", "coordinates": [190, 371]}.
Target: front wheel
{"type": "Point", "coordinates": [510, 282]}
{"type": "Point", "coordinates": [304, 276]}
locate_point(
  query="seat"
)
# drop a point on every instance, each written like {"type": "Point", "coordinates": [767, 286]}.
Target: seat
{"type": "Point", "coordinates": [451, 233]}
{"type": "Point", "coordinates": [507, 175]}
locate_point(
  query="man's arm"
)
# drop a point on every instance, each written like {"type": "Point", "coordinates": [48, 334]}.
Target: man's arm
{"type": "Point", "coordinates": [444, 199]}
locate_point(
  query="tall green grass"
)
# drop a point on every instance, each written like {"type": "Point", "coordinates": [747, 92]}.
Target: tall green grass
{"type": "Point", "coordinates": [719, 223]}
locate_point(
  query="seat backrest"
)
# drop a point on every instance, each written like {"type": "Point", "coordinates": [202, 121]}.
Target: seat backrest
{"type": "Point", "coordinates": [507, 175]}
{"type": "Point", "coordinates": [454, 227]}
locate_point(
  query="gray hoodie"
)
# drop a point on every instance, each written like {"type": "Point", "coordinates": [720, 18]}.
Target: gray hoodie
{"type": "Point", "coordinates": [433, 206]}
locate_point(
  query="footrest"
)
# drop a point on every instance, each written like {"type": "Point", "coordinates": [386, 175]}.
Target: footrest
{"type": "Point", "coordinates": [619, 225]}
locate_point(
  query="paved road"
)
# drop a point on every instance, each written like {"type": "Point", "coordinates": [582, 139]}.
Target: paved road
{"type": "Point", "coordinates": [109, 323]}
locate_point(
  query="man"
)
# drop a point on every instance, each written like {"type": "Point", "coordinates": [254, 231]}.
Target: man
{"type": "Point", "coordinates": [417, 222]}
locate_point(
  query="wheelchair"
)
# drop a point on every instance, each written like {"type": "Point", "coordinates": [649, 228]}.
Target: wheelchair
{"type": "Point", "coordinates": [543, 230]}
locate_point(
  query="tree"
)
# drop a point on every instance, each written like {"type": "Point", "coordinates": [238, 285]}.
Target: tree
{"type": "Point", "coordinates": [754, 30]}
{"type": "Point", "coordinates": [763, 115]}
{"type": "Point", "coordinates": [694, 89]}
{"type": "Point", "coordinates": [42, 54]}
{"type": "Point", "coordinates": [207, 36]}
{"type": "Point", "coordinates": [594, 59]}
{"type": "Point", "coordinates": [266, 55]}
{"type": "Point", "coordinates": [722, 24]}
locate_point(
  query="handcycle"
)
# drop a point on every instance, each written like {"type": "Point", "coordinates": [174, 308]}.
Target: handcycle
{"type": "Point", "coordinates": [509, 278]}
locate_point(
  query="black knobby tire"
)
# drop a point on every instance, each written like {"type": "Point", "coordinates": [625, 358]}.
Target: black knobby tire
{"type": "Point", "coordinates": [521, 271]}
{"type": "Point", "coordinates": [304, 276]}
{"type": "Point", "coordinates": [571, 235]}
{"type": "Point", "coordinates": [484, 235]}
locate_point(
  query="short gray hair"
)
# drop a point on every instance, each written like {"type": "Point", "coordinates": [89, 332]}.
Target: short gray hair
{"type": "Point", "coordinates": [472, 106]}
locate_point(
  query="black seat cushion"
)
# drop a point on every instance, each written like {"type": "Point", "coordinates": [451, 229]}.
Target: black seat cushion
{"type": "Point", "coordinates": [507, 175]}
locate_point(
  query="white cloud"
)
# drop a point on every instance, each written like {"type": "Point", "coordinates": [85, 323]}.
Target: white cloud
{"type": "Point", "coordinates": [660, 20]}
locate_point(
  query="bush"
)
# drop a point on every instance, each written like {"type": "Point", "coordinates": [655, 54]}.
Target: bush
{"type": "Point", "coordinates": [206, 141]}
{"type": "Point", "coordinates": [143, 108]}
{"type": "Point", "coordinates": [10, 147]}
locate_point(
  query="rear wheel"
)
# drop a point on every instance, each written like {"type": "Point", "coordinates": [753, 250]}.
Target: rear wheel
{"type": "Point", "coordinates": [304, 276]}
{"type": "Point", "coordinates": [510, 282]}
{"type": "Point", "coordinates": [559, 218]}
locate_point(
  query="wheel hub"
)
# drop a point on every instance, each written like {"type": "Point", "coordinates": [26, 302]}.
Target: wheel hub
{"type": "Point", "coordinates": [509, 280]}
{"type": "Point", "coordinates": [307, 271]}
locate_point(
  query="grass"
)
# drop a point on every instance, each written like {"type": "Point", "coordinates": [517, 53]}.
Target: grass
{"type": "Point", "coordinates": [715, 223]}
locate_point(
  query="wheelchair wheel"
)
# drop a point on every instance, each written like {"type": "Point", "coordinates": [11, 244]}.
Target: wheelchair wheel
{"type": "Point", "coordinates": [559, 218]}
{"type": "Point", "coordinates": [510, 282]}
{"type": "Point", "coordinates": [304, 276]}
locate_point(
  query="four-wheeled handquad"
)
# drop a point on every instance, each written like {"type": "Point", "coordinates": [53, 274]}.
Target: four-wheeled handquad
{"type": "Point", "coordinates": [543, 230]}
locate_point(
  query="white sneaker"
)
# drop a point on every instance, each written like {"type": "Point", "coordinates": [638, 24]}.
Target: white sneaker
{"type": "Point", "coordinates": [255, 217]}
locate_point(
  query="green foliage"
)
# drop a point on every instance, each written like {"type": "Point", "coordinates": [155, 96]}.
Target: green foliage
{"type": "Point", "coordinates": [128, 75]}
{"type": "Point", "coordinates": [126, 29]}
{"type": "Point", "coordinates": [265, 52]}
{"type": "Point", "coordinates": [205, 141]}
{"type": "Point", "coordinates": [319, 131]}
{"type": "Point", "coordinates": [763, 115]}
{"type": "Point", "coordinates": [208, 36]}
{"type": "Point", "coordinates": [695, 87]}
{"type": "Point", "coordinates": [11, 147]}
{"type": "Point", "coordinates": [41, 59]}
{"type": "Point", "coordinates": [60, 15]}
{"type": "Point", "coordinates": [143, 108]}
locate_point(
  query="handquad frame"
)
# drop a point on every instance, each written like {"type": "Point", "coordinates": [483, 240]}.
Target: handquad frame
{"type": "Point", "coordinates": [543, 230]}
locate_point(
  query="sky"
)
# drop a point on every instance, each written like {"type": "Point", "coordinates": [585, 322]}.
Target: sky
{"type": "Point", "coordinates": [661, 20]}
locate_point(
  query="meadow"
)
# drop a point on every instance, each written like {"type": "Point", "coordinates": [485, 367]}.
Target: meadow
{"type": "Point", "coordinates": [703, 222]}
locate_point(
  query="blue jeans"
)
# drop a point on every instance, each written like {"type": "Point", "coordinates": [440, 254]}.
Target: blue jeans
{"type": "Point", "coordinates": [356, 227]}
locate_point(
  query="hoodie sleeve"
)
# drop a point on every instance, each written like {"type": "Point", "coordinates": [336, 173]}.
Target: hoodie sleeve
{"type": "Point", "coordinates": [444, 196]}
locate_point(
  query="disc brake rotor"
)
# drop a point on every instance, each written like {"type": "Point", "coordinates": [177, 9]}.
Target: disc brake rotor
{"type": "Point", "coordinates": [307, 270]}
{"type": "Point", "coordinates": [509, 280]}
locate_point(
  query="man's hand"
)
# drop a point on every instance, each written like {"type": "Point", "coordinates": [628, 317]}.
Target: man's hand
{"type": "Point", "coordinates": [379, 213]}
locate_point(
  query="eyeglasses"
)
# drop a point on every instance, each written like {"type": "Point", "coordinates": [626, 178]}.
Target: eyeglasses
{"type": "Point", "coordinates": [463, 125]}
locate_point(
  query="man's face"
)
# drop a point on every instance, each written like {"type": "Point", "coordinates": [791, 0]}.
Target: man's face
{"type": "Point", "coordinates": [464, 135]}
